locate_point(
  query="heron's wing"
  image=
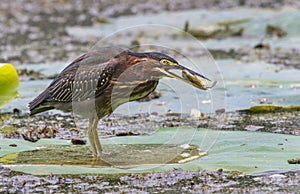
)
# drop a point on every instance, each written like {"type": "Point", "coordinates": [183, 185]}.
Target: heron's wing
{"type": "Point", "coordinates": [81, 83]}
{"type": "Point", "coordinates": [85, 78]}
{"type": "Point", "coordinates": [99, 56]}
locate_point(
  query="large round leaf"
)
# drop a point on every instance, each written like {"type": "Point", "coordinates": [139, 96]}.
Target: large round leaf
{"type": "Point", "coordinates": [244, 151]}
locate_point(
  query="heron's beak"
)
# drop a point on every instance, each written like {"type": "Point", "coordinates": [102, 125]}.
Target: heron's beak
{"type": "Point", "coordinates": [190, 77]}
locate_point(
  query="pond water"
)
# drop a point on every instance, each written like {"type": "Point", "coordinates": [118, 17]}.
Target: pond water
{"type": "Point", "coordinates": [241, 84]}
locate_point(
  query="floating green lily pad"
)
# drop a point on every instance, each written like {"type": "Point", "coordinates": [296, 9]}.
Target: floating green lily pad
{"type": "Point", "coordinates": [9, 83]}
{"type": "Point", "coordinates": [248, 152]}
{"type": "Point", "coordinates": [118, 155]}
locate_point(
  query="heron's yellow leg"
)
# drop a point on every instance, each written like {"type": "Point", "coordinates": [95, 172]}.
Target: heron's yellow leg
{"type": "Point", "coordinates": [96, 139]}
{"type": "Point", "coordinates": [91, 137]}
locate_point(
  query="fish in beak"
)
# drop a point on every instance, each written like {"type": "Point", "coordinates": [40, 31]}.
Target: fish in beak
{"type": "Point", "coordinates": [190, 77]}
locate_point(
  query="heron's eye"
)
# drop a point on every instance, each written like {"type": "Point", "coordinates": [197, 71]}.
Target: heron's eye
{"type": "Point", "coordinates": [166, 62]}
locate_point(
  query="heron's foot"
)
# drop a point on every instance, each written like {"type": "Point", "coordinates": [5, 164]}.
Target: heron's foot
{"type": "Point", "coordinates": [97, 156]}
{"type": "Point", "coordinates": [95, 152]}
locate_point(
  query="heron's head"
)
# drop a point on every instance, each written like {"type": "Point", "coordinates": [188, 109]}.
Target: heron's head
{"type": "Point", "coordinates": [161, 65]}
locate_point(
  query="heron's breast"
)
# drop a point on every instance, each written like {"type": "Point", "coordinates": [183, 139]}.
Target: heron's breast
{"type": "Point", "coordinates": [126, 92]}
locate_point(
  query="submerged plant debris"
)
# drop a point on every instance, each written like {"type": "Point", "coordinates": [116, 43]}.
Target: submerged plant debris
{"type": "Point", "coordinates": [66, 126]}
{"type": "Point", "coordinates": [219, 30]}
{"type": "Point", "coordinates": [294, 161]}
{"type": "Point", "coordinates": [173, 181]}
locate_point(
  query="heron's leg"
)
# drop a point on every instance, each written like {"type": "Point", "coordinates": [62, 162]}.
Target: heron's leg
{"type": "Point", "coordinates": [96, 138]}
{"type": "Point", "coordinates": [91, 137]}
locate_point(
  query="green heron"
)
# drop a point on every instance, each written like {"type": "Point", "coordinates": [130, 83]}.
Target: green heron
{"type": "Point", "coordinates": [94, 87]}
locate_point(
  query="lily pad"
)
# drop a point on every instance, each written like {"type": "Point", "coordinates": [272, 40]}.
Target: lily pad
{"type": "Point", "coordinates": [270, 108]}
{"type": "Point", "coordinates": [119, 155]}
{"type": "Point", "coordinates": [248, 152]}
{"type": "Point", "coordinates": [9, 83]}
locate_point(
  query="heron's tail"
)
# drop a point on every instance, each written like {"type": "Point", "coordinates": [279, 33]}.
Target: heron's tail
{"type": "Point", "coordinates": [39, 105]}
